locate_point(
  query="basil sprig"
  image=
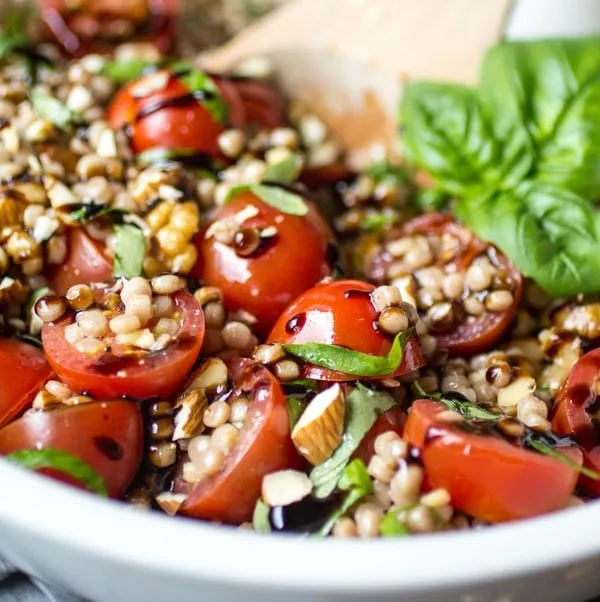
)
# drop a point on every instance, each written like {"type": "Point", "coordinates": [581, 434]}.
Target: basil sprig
{"type": "Point", "coordinates": [283, 171]}
{"type": "Point", "coordinates": [355, 363]}
{"type": "Point", "coordinates": [520, 152]}
{"type": "Point", "coordinates": [260, 518]}
{"type": "Point", "coordinates": [541, 446]}
{"type": "Point", "coordinates": [363, 407]}
{"type": "Point", "coordinates": [130, 251]}
{"type": "Point", "coordinates": [56, 459]}
{"type": "Point", "coordinates": [275, 196]}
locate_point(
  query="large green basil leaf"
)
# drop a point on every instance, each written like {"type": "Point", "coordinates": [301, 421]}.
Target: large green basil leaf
{"type": "Point", "coordinates": [551, 234]}
{"type": "Point", "coordinates": [446, 131]}
{"type": "Point", "coordinates": [552, 88]}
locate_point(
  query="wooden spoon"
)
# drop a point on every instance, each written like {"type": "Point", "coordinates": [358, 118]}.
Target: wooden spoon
{"type": "Point", "coordinates": [347, 59]}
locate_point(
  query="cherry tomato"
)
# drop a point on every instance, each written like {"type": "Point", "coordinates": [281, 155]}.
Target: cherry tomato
{"type": "Point", "coordinates": [471, 334]}
{"type": "Point", "coordinates": [393, 420]}
{"type": "Point", "coordinates": [262, 279]}
{"type": "Point", "coordinates": [264, 446]}
{"type": "Point", "coordinates": [155, 374]}
{"type": "Point", "coordinates": [573, 411]}
{"type": "Point", "coordinates": [159, 111]}
{"type": "Point", "coordinates": [485, 475]}
{"type": "Point", "coordinates": [106, 435]}
{"type": "Point", "coordinates": [23, 370]}
{"type": "Point", "coordinates": [86, 261]}
{"type": "Point", "coordinates": [340, 313]}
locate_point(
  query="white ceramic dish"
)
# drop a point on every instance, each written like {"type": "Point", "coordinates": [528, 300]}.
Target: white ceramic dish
{"type": "Point", "coordinates": [108, 552]}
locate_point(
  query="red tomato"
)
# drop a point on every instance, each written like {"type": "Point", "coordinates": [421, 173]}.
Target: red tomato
{"type": "Point", "coordinates": [392, 420]}
{"type": "Point", "coordinates": [264, 446]}
{"type": "Point", "coordinates": [106, 435]}
{"type": "Point", "coordinates": [86, 261]}
{"type": "Point", "coordinates": [157, 374]}
{"type": "Point", "coordinates": [340, 312]}
{"type": "Point", "coordinates": [474, 335]}
{"type": "Point", "coordinates": [282, 267]}
{"type": "Point", "coordinates": [237, 112]}
{"type": "Point", "coordinates": [486, 476]}
{"type": "Point", "coordinates": [169, 117]}
{"type": "Point", "coordinates": [23, 370]}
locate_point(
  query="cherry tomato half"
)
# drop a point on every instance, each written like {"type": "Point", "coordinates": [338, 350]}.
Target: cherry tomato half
{"type": "Point", "coordinates": [485, 475]}
{"type": "Point", "coordinates": [106, 435]}
{"type": "Point", "coordinates": [393, 420]}
{"type": "Point", "coordinates": [459, 247]}
{"type": "Point", "coordinates": [264, 446]}
{"type": "Point", "coordinates": [23, 370]}
{"type": "Point", "coordinates": [159, 111]}
{"type": "Point", "coordinates": [263, 275]}
{"type": "Point", "coordinates": [340, 313]}
{"type": "Point", "coordinates": [155, 374]}
{"type": "Point", "coordinates": [86, 261]}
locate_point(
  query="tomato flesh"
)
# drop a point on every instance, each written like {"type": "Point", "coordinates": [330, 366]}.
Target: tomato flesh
{"type": "Point", "coordinates": [23, 370]}
{"type": "Point", "coordinates": [106, 435]}
{"type": "Point", "coordinates": [158, 374]}
{"type": "Point", "coordinates": [340, 313]}
{"type": "Point", "coordinates": [264, 446]}
{"type": "Point", "coordinates": [486, 476]}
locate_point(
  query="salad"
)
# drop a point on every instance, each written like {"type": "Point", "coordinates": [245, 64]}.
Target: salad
{"type": "Point", "coordinates": [206, 312]}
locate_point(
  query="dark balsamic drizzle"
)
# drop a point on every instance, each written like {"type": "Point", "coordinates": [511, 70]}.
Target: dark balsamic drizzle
{"type": "Point", "coordinates": [306, 516]}
{"type": "Point", "coordinates": [295, 324]}
{"type": "Point", "coordinates": [109, 448]}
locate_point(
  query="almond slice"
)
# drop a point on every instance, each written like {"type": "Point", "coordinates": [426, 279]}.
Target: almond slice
{"type": "Point", "coordinates": [189, 420]}
{"type": "Point", "coordinates": [319, 430]}
{"type": "Point", "coordinates": [285, 487]}
{"type": "Point", "coordinates": [170, 502]}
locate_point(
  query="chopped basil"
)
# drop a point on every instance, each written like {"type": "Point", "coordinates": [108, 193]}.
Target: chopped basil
{"type": "Point", "coordinates": [53, 110]}
{"type": "Point", "coordinates": [296, 405]}
{"type": "Point", "coordinates": [363, 407]}
{"type": "Point", "coordinates": [356, 481]}
{"type": "Point", "coordinates": [125, 71]}
{"type": "Point", "coordinates": [275, 196]}
{"type": "Point", "coordinates": [374, 222]}
{"type": "Point", "coordinates": [391, 526]}
{"type": "Point", "coordinates": [90, 211]}
{"type": "Point", "coordinates": [160, 154]}
{"type": "Point", "coordinates": [130, 251]}
{"type": "Point", "coordinates": [56, 459]}
{"type": "Point", "coordinates": [303, 382]}
{"type": "Point", "coordinates": [351, 362]}
{"type": "Point", "coordinates": [260, 518]}
{"type": "Point", "coordinates": [204, 88]}
{"type": "Point", "coordinates": [284, 171]}
{"type": "Point", "coordinates": [31, 339]}
{"type": "Point", "coordinates": [543, 448]}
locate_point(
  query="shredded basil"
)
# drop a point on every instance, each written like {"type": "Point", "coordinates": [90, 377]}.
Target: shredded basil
{"type": "Point", "coordinates": [363, 407]}
{"type": "Point", "coordinates": [91, 211]}
{"type": "Point", "coordinates": [275, 196]}
{"type": "Point", "coordinates": [203, 86]}
{"type": "Point", "coordinates": [375, 222]}
{"type": "Point", "coordinates": [346, 361]}
{"type": "Point", "coordinates": [161, 154]}
{"type": "Point", "coordinates": [130, 251]}
{"type": "Point", "coordinates": [543, 448]}
{"type": "Point", "coordinates": [391, 526]}
{"type": "Point", "coordinates": [53, 110]}
{"type": "Point", "coordinates": [36, 459]}
{"type": "Point", "coordinates": [31, 339]}
{"type": "Point", "coordinates": [296, 405]}
{"type": "Point", "coordinates": [284, 171]}
{"type": "Point", "coordinates": [121, 71]}
{"type": "Point", "coordinates": [260, 518]}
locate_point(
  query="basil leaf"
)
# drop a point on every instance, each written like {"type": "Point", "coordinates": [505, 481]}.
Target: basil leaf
{"type": "Point", "coordinates": [160, 154]}
{"type": "Point", "coordinates": [384, 171]}
{"type": "Point", "coordinates": [552, 235]}
{"type": "Point", "coordinates": [31, 339]}
{"type": "Point", "coordinates": [375, 222]}
{"type": "Point", "coordinates": [351, 362]}
{"type": "Point", "coordinates": [391, 526]}
{"type": "Point", "coordinates": [53, 110]}
{"type": "Point", "coordinates": [56, 459]}
{"type": "Point", "coordinates": [363, 407]}
{"type": "Point", "coordinates": [130, 251]}
{"type": "Point", "coordinates": [275, 196]}
{"type": "Point", "coordinates": [204, 88]}
{"type": "Point", "coordinates": [356, 481]}
{"type": "Point", "coordinates": [296, 405]}
{"type": "Point", "coordinates": [284, 171]}
{"type": "Point", "coordinates": [260, 518]}
{"type": "Point", "coordinates": [122, 72]}
{"type": "Point", "coordinates": [543, 448]}
{"type": "Point", "coordinates": [91, 211]}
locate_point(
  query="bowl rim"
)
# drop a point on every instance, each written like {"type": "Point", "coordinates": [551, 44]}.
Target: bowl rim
{"type": "Point", "coordinates": [169, 546]}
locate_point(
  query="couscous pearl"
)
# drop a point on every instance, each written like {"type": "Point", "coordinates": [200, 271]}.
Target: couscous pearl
{"type": "Point", "coordinates": [93, 323]}
{"type": "Point", "coordinates": [225, 437]}
{"type": "Point", "coordinates": [217, 414]}
{"type": "Point", "coordinates": [124, 324]}
{"type": "Point", "coordinates": [198, 446]}
{"type": "Point", "coordinates": [499, 300]}
{"type": "Point", "coordinates": [140, 306]}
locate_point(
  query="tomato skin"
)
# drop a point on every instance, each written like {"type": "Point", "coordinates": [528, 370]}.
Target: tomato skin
{"type": "Point", "coordinates": [23, 370]}
{"type": "Point", "coordinates": [263, 104]}
{"type": "Point", "coordinates": [486, 476]}
{"type": "Point", "coordinates": [81, 431]}
{"type": "Point", "coordinates": [159, 374]}
{"type": "Point", "coordinates": [340, 312]}
{"type": "Point", "coordinates": [174, 119]}
{"type": "Point", "coordinates": [297, 255]}
{"type": "Point", "coordinates": [264, 446]}
{"type": "Point", "coordinates": [393, 420]}
{"type": "Point", "coordinates": [86, 262]}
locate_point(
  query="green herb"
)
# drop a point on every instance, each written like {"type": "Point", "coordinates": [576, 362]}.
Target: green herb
{"type": "Point", "coordinates": [311, 385]}
{"type": "Point", "coordinates": [391, 526]}
{"type": "Point", "coordinates": [521, 152]}
{"type": "Point", "coordinates": [356, 481]}
{"type": "Point", "coordinates": [284, 171]}
{"type": "Point", "coordinates": [543, 448]}
{"type": "Point", "coordinates": [351, 362]}
{"type": "Point", "coordinates": [130, 251]}
{"type": "Point", "coordinates": [275, 196]}
{"type": "Point", "coordinates": [296, 405]}
{"type": "Point", "coordinates": [260, 518]}
{"type": "Point", "coordinates": [31, 339]}
{"type": "Point", "coordinates": [90, 211]}
{"type": "Point", "coordinates": [384, 171]}
{"type": "Point", "coordinates": [53, 110]}
{"type": "Point", "coordinates": [204, 88]}
{"type": "Point", "coordinates": [56, 459]}
{"type": "Point", "coordinates": [432, 199]}
{"type": "Point", "coordinates": [374, 222]}
{"type": "Point", "coordinates": [160, 154]}
{"type": "Point", "coordinates": [122, 72]}
{"type": "Point", "coordinates": [363, 407]}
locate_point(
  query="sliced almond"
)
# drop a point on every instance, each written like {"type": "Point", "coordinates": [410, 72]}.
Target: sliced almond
{"type": "Point", "coordinates": [285, 487]}
{"type": "Point", "coordinates": [189, 420]}
{"type": "Point", "coordinates": [170, 502]}
{"type": "Point", "coordinates": [319, 430]}
{"type": "Point", "coordinates": [211, 375]}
